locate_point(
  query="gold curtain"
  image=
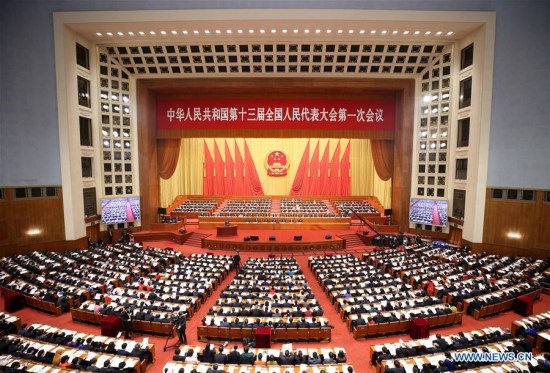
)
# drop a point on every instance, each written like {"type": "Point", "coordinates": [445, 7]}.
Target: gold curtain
{"type": "Point", "coordinates": [168, 151]}
{"type": "Point", "coordinates": [382, 155]}
{"type": "Point", "coordinates": [188, 176]}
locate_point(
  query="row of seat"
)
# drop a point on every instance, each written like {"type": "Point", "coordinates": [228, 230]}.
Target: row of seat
{"type": "Point", "coordinates": [317, 334]}
{"type": "Point", "coordinates": [506, 305]}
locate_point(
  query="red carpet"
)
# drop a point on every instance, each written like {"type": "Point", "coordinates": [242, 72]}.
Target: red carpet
{"type": "Point", "coordinates": [358, 351]}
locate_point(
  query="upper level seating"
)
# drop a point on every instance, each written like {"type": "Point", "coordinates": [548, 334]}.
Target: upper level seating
{"type": "Point", "coordinates": [243, 208]}
{"type": "Point", "coordinates": [360, 207]}
{"type": "Point", "coordinates": [200, 206]}
{"type": "Point", "coordinates": [304, 208]}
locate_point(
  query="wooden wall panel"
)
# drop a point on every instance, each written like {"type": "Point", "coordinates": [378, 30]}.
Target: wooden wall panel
{"type": "Point", "coordinates": [530, 219]}
{"type": "Point", "coordinates": [17, 216]}
{"type": "Point", "coordinates": [400, 89]}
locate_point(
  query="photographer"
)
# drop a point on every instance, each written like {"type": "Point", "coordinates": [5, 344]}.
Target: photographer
{"type": "Point", "coordinates": [180, 323]}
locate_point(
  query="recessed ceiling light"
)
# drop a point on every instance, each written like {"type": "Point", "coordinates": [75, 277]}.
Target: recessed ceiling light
{"type": "Point", "coordinates": [240, 31]}
{"type": "Point", "coordinates": [296, 30]}
{"type": "Point", "coordinates": [110, 33]}
{"type": "Point", "coordinates": [120, 33]}
{"type": "Point", "coordinates": [218, 32]}
{"type": "Point", "coordinates": [141, 33]}
{"type": "Point", "coordinates": [163, 32]}
{"type": "Point", "coordinates": [251, 31]}
{"type": "Point", "coordinates": [196, 32]}
{"type": "Point", "coordinates": [384, 32]}
{"type": "Point", "coordinates": [340, 31]}
{"type": "Point", "coordinates": [350, 31]}
{"type": "Point", "coordinates": [174, 32]}
{"type": "Point", "coordinates": [99, 34]}
{"type": "Point", "coordinates": [207, 31]}
{"type": "Point", "coordinates": [262, 31]}
{"type": "Point", "coordinates": [362, 31]}
{"type": "Point", "coordinates": [229, 31]}
{"type": "Point", "coordinates": [417, 32]}
{"type": "Point", "coordinates": [394, 32]}
{"type": "Point", "coordinates": [284, 31]}
{"type": "Point", "coordinates": [317, 31]}
{"type": "Point", "coordinates": [273, 31]}
{"type": "Point", "coordinates": [130, 33]}
{"type": "Point", "coordinates": [450, 33]}
{"type": "Point", "coordinates": [427, 33]}
{"type": "Point", "coordinates": [373, 31]}
{"type": "Point", "coordinates": [152, 32]}
{"type": "Point", "coordinates": [405, 32]}
{"type": "Point", "coordinates": [306, 31]}
{"type": "Point", "coordinates": [329, 31]}
{"type": "Point", "coordinates": [438, 33]}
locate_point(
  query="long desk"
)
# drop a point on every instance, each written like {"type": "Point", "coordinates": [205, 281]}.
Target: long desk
{"type": "Point", "coordinates": [226, 230]}
{"type": "Point", "coordinates": [313, 223]}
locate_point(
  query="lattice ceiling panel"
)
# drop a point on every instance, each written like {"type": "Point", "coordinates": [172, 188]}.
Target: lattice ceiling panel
{"type": "Point", "coordinates": [378, 59]}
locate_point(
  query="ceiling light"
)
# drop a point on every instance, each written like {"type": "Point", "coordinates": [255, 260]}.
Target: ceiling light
{"type": "Point", "coordinates": [125, 134]}
{"type": "Point", "coordinates": [130, 33]}
{"type": "Point", "coordinates": [196, 32]}
{"type": "Point", "coordinates": [174, 32]}
{"type": "Point", "coordinates": [127, 144]}
{"type": "Point", "coordinates": [152, 32]}
{"type": "Point", "coordinates": [163, 32]}
{"type": "Point", "coordinates": [434, 135]}
{"type": "Point", "coordinates": [329, 31]}
{"type": "Point", "coordinates": [350, 32]}
{"type": "Point", "coordinates": [229, 31]}
{"type": "Point", "coordinates": [105, 133]}
{"type": "Point", "coordinates": [99, 34]}
{"type": "Point", "coordinates": [515, 235]}
{"type": "Point", "coordinates": [438, 33]}
{"type": "Point", "coordinates": [207, 31]}
{"type": "Point", "coordinates": [296, 30]}
{"type": "Point", "coordinates": [427, 33]}
{"type": "Point", "coordinates": [362, 31]}
{"type": "Point", "coordinates": [185, 32]}
{"type": "Point", "coordinates": [285, 31]}
{"type": "Point", "coordinates": [240, 31]}
{"type": "Point", "coordinates": [394, 32]}
{"type": "Point", "coordinates": [384, 32]}
{"type": "Point", "coordinates": [125, 99]}
{"type": "Point", "coordinates": [432, 145]}
{"type": "Point", "coordinates": [115, 133]}
{"type": "Point", "coordinates": [373, 31]}
{"type": "Point", "coordinates": [114, 97]}
{"type": "Point", "coordinates": [417, 32]}
{"type": "Point", "coordinates": [445, 95]}
{"type": "Point", "coordinates": [117, 144]}
{"type": "Point", "coordinates": [317, 31]}
{"type": "Point", "coordinates": [426, 98]}
{"type": "Point", "coordinates": [141, 33]}
{"type": "Point", "coordinates": [450, 33]}
{"type": "Point", "coordinates": [340, 31]}
{"type": "Point", "coordinates": [106, 142]}
{"type": "Point", "coordinates": [218, 32]}
{"type": "Point", "coordinates": [422, 146]}
{"type": "Point", "coordinates": [306, 31]}
{"type": "Point", "coordinates": [444, 134]}
{"type": "Point", "coordinates": [405, 32]}
{"type": "Point", "coordinates": [110, 33]}
{"type": "Point", "coordinates": [126, 110]}
{"type": "Point", "coordinates": [434, 110]}
{"type": "Point", "coordinates": [251, 31]}
{"type": "Point", "coordinates": [273, 31]}
{"type": "Point", "coordinates": [262, 31]}
{"type": "Point", "coordinates": [106, 107]}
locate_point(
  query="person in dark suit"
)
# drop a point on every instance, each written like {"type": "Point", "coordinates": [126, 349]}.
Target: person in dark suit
{"type": "Point", "coordinates": [234, 356]}
{"type": "Point", "coordinates": [220, 357]}
{"type": "Point", "coordinates": [397, 367]}
{"type": "Point", "coordinates": [215, 369]}
{"type": "Point", "coordinates": [181, 327]}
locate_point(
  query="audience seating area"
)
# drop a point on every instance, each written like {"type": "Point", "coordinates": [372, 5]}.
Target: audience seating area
{"type": "Point", "coordinates": [298, 208]}
{"type": "Point", "coordinates": [360, 207]}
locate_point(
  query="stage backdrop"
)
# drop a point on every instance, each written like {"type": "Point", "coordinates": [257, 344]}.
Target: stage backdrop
{"type": "Point", "coordinates": [274, 166]}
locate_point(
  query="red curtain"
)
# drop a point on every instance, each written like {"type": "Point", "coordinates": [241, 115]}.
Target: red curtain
{"type": "Point", "coordinates": [345, 179]}
{"type": "Point", "coordinates": [229, 172]}
{"type": "Point", "coordinates": [252, 179]}
{"type": "Point", "coordinates": [314, 182]}
{"type": "Point", "coordinates": [324, 172]}
{"type": "Point", "coordinates": [382, 156]}
{"type": "Point", "coordinates": [208, 183]}
{"type": "Point", "coordinates": [168, 151]}
{"type": "Point", "coordinates": [219, 168]}
{"type": "Point", "coordinates": [334, 169]}
{"type": "Point", "coordinates": [300, 180]}
{"type": "Point", "coordinates": [239, 172]}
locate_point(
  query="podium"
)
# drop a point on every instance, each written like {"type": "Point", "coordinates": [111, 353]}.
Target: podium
{"type": "Point", "coordinates": [226, 230]}
{"type": "Point", "coordinates": [263, 337]}
{"type": "Point", "coordinates": [420, 328]}
{"type": "Point", "coordinates": [111, 326]}
{"type": "Point", "coordinates": [523, 305]}
{"type": "Point", "coordinates": [13, 301]}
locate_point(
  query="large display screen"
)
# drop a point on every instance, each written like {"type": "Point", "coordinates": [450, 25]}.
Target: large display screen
{"type": "Point", "coordinates": [120, 210]}
{"type": "Point", "coordinates": [429, 211]}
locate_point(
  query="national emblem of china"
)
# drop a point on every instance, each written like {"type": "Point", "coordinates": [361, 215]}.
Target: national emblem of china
{"type": "Point", "coordinates": [276, 163]}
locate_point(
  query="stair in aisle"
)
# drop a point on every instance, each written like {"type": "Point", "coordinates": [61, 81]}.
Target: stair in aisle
{"type": "Point", "coordinates": [195, 239]}
{"type": "Point", "coordinates": [354, 242]}
{"type": "Point", "coordinates": [330, 206]}
{"type": "Point", "coordinates": [275, 206]}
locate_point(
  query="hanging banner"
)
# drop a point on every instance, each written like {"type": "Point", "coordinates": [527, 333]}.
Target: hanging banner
{"type": "Point", "coordinates": [292, 114]}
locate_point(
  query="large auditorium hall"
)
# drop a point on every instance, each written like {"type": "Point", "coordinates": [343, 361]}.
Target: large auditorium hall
{"type": "Point", "coordinates": [275, 186]}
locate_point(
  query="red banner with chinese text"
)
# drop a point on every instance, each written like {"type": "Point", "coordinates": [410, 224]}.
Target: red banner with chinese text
{"type": "Point", "coordinates": [292, 114]}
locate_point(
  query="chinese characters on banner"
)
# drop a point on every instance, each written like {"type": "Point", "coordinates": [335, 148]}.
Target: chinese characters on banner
{"type": "Point", "coordinates": [372, 114]}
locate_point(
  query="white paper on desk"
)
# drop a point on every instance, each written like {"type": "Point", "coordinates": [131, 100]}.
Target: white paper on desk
{"type": "Point", "coordinates": [286, 347]}
{"type": "Point", "coordinates": [485, 370]}
{"type": "Point", "coordinates": [389, 364]}
{"type": "Point", "coordinates": [419, 362]}
{"type": "Point", "coordinates": [101, 361]}
{"type": "Point", "coordinates": [146, 341]}
{"type": "Point", "coordinates": [498, 369]}
{"type": "Point", "coordinates": [408, 367]}
{"type": "Point", "coordinates": [434, 360]}
{"type": "Point", "coordinates": [330, 369]}
{"type": "Point", "coordinates": [274, 352]}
